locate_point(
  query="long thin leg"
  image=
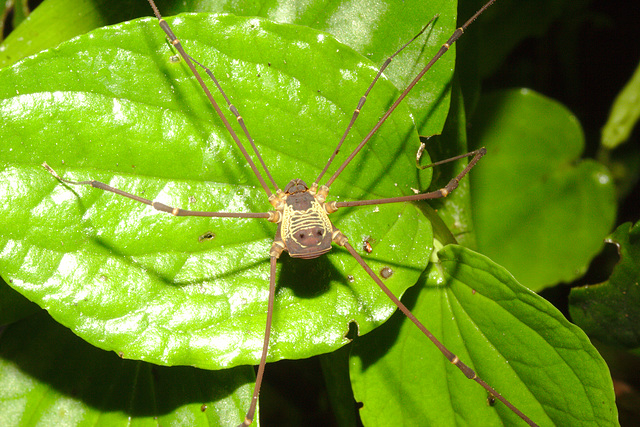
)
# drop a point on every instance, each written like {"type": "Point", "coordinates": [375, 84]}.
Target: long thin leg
{"type": "Point", "coordinates": [441, 162]}
{"type": "Point", "coordinates": [467, 371]}
{"type": "Point", "coordinates": [160, 206]}
{"type": "Point", "coordinates": [443, 192]}
{"type": "Point", "coordinates": [239, 118]}
{"type": "Point", "coordinates": [176, 43]}
{"type": "Point", "coordinates": [356, 112]}
{"type": "Point", "coordinates": [443, 49]}
{"type": "Point", "coordinates": [248, 419]}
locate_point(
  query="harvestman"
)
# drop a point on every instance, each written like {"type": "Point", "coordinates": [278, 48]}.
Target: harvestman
{"type": "Point", "coordinates": [304, 229]}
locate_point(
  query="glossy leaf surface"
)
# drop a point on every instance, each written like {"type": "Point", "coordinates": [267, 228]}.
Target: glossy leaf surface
{"type": "Point", "coordinates": [514, 339]}
{"type": "Point", "coordinates": [375, 30]}
{"type": "Point", "coordinates": [112, 106]}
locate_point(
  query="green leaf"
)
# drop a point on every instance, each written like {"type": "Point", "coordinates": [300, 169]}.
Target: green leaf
{"type": "Point", "coordinates": [610, 311]}
{"type": "Point", "coordinates": [515, 340]}
{"type": "Point", "coordinates": [453, 211]}
{"type": "Point", "coordinates": [47, 374]}
{"type": "Point", "coordinates": [56, 21]}
{"type": "Point", "coordinates": [533, 197]}
{"type": "Point", "coordinates": [373, 30]}
{"type": "Point", "coordinates": [624, 114]}
{"type": "Point", "coordinates": [112, 106]}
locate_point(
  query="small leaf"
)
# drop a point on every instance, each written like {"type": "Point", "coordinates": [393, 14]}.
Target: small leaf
{"type": "Point", "coordinates": [610, 311]}
{"type": "Point", "coordinates": [624, 114]}
{"type": "Point", "coordinates": [48, 375]}
{"type": "Point", "coordinates": [534, 198]}
{"type": "Point", "coordinates": [515, 340]}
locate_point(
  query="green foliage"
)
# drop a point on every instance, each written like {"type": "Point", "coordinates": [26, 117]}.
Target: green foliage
{"type": "Point", "coordinates": [114, 107]}
{"type": "Point", "coordinates": [491, 321]}
{"type": "Point", "coordinates": [554, 198]}
{"type": "Point", "coordinates": [625, 113]}
{"type": "Point", "coordinates": [375, 32]}
{"type": "Point", "coordinates": [56, 377]}
{"type": "Point", "coordinates": [609, 311]}
{"type": "Point", "coordinates": [196, 300]}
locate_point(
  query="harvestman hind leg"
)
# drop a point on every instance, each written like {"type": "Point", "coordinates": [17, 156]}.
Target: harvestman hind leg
{"type": "Point", "coordinates": [466, 370]}
{"type": "Point", "coordinates": [443, 192]}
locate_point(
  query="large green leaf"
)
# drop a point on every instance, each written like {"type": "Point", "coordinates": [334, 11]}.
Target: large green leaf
{"type": "Point", "coordinates": [534, 198]}
{"type": "Point", "coordinates": [374, 30]}
{"type": "Point", "coordinates": [514, 339]}
{"type": "Point", "coordinates": [112, 106]}
{"type": "Point", "coordinates": [49, 376]}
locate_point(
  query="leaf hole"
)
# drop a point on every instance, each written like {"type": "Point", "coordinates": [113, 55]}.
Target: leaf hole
{"type": "Point", "coordinates": [207, 236]}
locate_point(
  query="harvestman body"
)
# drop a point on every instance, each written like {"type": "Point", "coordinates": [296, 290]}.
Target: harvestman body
{"type": "Point", "coordinates": [302, 212]}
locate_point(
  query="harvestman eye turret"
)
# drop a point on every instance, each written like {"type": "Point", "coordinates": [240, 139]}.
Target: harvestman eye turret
{"type": "Point", "coordinates": [301, 212]}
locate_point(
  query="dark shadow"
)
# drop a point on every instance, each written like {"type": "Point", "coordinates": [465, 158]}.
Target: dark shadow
{"type": "Point", "coordinates": [294, 394]}
{"type": "Point", "coordinates": [307, 278]}
{"type": "Point", "coordinates": [7, 21]}
{"type": "Point", "coordinates": [373, 346]}
{"type": "Point", "coordinates": [51, 354]}
{"type": "Point", "coordinates": [14, 306]}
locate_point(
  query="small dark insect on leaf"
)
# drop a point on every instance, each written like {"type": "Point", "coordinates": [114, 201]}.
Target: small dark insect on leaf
{"type": "Point", "coordinates": [491, 400]}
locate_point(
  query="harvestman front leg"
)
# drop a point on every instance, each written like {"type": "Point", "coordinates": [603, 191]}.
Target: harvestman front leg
{"type": "Point", "coordinates": [160, 206]}
{"type": "Point", "coordinates": [437, 194]}
{"type": "Point", "coordinates": [276, 251]}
